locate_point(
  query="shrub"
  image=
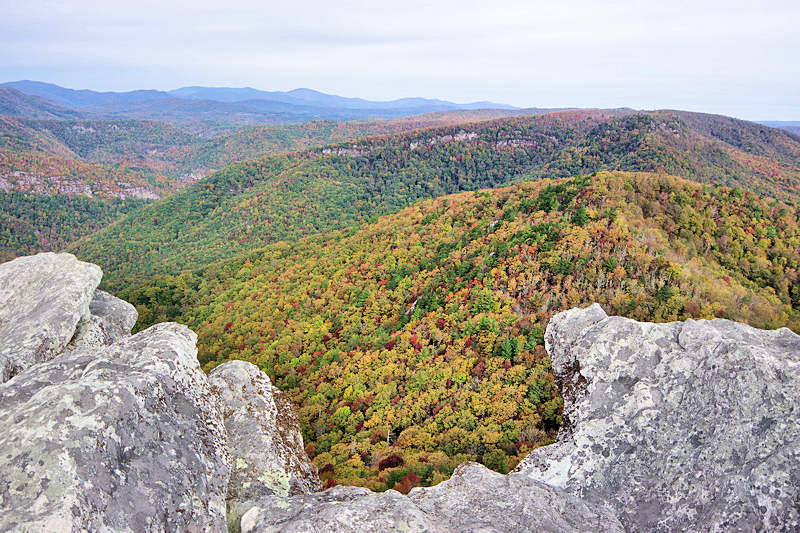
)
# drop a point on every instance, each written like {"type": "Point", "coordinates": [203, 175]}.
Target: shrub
{"type": "Point", "coordinates": [391, 461]}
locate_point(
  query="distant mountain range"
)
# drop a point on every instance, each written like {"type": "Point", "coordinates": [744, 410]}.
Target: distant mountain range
{"type": "Point", "coordinates": [792, 126]}
{"type": "Point", "coordinates": [34, 99]}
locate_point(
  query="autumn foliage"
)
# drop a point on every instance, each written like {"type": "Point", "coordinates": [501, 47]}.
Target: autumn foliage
{"type": "Point", "coordinates": [420, 335]}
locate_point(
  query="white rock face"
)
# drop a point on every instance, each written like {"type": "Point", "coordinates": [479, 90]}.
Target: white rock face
{"type": "Point", "coordinates": [473, 499]}
{"type": "Point", "coordinates": [687, 426]}
{"type": "Point", "coordinates": [42, 299]}
{"type": "Point", "coordinates": [338, 510]}
{"type": "Point", "coordinates": [264, 438]}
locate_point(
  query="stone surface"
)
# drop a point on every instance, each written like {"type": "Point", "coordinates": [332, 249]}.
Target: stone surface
{"type": "Point", "coordinates": [338, 510]}
{"type": "Point", "coordinates": [42, 299]}
{"type": "Point", "coordinates": [126, 437]}
{"type": "Point", "coordinates": [110, 320]}
{"type": "Point", "coordinates": [686, 426]}
{"type": "Point", "coordinates": [473, 499]}
{"type": "Point", "coordinates": [478, 499]}
{"type": "Point", "coordinates": [264, 438]}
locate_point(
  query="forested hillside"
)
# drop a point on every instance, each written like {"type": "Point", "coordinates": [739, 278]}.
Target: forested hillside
{"type": "Point", "coordinates": [198, 148]}
{"type": "Point", "coordinates": [32, 223]}
{"type": "Point", "coordinates": [249, 143]}
{"type": "Point", "coordinates": [148, 159]}
{"type": "Point", "coordinates": [415, 342]}
{"type": "Point", "coordinates": [253, 203]}
{"type": "Point", "coordinates": [38, 173]}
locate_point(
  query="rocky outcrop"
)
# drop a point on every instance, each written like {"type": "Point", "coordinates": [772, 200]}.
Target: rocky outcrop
{"type": "Point", "coordinates": [339, 509]}
{"type": "Point", "coordinates": [477, 499]}
{"type": "Point", "coordinates": [36, 182]}
{"type": "Point", "coordinates": [473, 499]}
{"type": "Point", "coordinates": [125, 437]}
{"type": "Point", "coordinates": [101, 430]}
{"type": "Point", "coordinates": [43, 298]}
{"type": "Point", "coordinates": [264, 439]}
{"type": "Point", "coordinates": [687, 426]}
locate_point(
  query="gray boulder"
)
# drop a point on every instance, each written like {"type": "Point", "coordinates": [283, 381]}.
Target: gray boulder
{"type": "Point", "coordinates": [686, 426]}
{"type": "Point", "coordinates": [474, 499]}
{"type": "Point", "coordinates": [42, 299]}
{"type": "Point", "coordinates": [126, 437]}
{"type": "Point", "coordinates": [264, 438]}
{"type": "Point", "coordinates": [110, 319]}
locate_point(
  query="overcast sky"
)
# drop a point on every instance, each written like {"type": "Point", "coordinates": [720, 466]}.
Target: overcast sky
{"type": "Point", "coordinates": [731, 57]}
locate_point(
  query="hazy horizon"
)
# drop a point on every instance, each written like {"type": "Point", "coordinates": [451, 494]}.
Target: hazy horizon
{"type": "Point", "coordinates": [740, 61]}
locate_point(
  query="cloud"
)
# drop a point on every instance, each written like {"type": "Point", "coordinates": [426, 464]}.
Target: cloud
{"type": "Point", "coordinates": [740, 60]}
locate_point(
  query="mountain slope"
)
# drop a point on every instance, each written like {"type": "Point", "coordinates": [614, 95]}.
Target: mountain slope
{"type": "Point", "coordinates": [83, 97]}
{"type": "Point", "coordinates": [38, 173]}
{"type": "Point", "coordinates": [198, 148]}
{"type": "Point", "coordinates": [415, 342]}
{"type": "Point", "coordinates": [792, 126]}
{"type": "Point", "coordinates": [19, 104]}
{"type": "Point", "coordinates": [32, 223]}
{"type": "Point", "coordinates": [21, 135]}
{"type": "Point", "coordinates": [253, 203]}
{"type": "Point", "coordinates": [138, 158]}
{"type": "Point", "coordinates": [135, 143]}
{"type": "Point", "coordinates": [257, 141]}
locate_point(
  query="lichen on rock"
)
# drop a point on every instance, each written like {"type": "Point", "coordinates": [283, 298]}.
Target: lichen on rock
{"type": "Point", "coordinates": [101, 431]}
{"type": "Point", "coordinates": [114, 438]}
{"type": "Point", "coordinates": [263, 436]}
{"type": "Point", "coordinates": [110, 319]}
{"type": "Point", "coordinates": [682, 426]}
{"type": "Point", "coordinates": [42, 300]}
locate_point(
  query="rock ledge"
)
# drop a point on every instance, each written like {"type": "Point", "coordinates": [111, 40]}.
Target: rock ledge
{"type": "Point", "coordinates": [683, 426]}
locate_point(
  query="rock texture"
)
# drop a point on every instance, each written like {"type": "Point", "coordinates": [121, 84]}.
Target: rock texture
{"type": "Point", "coordinates": [125, 437]}
{"type": "Point", "coordinates": [42, 299]}
{"type": "Point", "coordinates": [338, 510]}
{"type": "Point", "coordinates": [110, 319]}
{"type": "Point", "coordinates": [687, 426]}
{"type": "Point", "coordinates": [101, 430]}
{"type": "Point", "coordinates": [473, 499]}
{"type": "Point", "coordinates": [264, 438]}
{"type": "Point", "coordinates": [477, 499]}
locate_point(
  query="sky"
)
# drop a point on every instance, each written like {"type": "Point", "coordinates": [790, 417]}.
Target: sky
{"type": "Point", "coordinates": [731, 57]}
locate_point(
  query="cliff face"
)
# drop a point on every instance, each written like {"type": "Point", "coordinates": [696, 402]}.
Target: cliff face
{"type": "Point", "coordinates": [683, 426]}
{"type": "Point", "coordinates": [680, 426]}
